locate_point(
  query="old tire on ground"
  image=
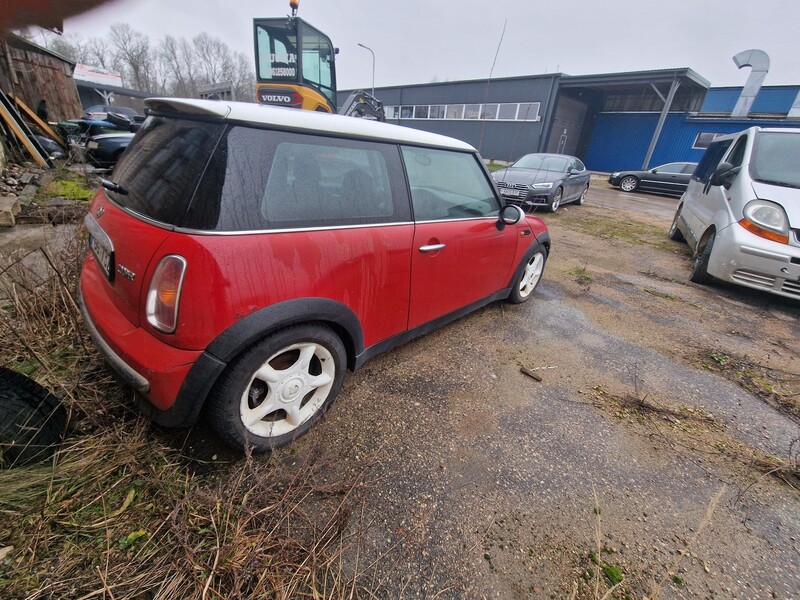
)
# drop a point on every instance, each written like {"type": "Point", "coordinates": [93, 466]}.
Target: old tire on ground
{"type": "Point", "coordinates": [629, 183]}
{"type": "Point", "coordinates": [556, 200]}
{"type": "Point", "coordinates": [32, 420]}
{"type": "Point", "coordinates": [675, 233]}
{"type": "Point", "coordinates": [526, 281]}
{"type": "Point", "coordinates": [700, 268]}
{"type": "Point", "coordinates": [276, 390]}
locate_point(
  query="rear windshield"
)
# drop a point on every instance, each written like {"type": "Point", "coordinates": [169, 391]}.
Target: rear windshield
{"type": "Point", "coordinates": [776, 159]}
{"type": "Point", "coordinates": [163, 165]}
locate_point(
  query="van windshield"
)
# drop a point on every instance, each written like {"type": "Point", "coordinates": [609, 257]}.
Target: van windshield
{"type": "Point", "coordinates": [776, 159]}
{"type": "Point", "coordinates": [162, 166]}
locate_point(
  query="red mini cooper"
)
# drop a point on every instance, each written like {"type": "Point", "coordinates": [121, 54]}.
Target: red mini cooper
{"type": "Point", "coordinates": [244, 256]}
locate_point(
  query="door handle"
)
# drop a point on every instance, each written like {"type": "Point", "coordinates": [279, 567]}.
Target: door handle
{"type": "Point", "coordinates": [431, 247]}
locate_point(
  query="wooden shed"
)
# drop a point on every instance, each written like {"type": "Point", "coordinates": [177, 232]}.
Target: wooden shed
{"type": "Point", "coordinates": [34, 73]}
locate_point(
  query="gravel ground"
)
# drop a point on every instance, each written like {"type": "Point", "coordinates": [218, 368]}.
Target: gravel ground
{"type": "Point", "coordinates": [488, 484]}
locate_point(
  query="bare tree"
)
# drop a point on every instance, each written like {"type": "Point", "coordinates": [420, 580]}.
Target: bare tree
{"type": "Point", "coordinates": [132, 49]}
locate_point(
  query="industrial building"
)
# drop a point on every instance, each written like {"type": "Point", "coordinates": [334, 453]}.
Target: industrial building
{"type": "Point", "coordinates": [611, 121]}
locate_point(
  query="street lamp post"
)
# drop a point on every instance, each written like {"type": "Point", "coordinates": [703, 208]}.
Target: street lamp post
{"type": "Point", "coordinates": [373, 66]}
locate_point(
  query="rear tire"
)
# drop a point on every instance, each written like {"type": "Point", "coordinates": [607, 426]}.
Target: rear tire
{"type": "Point", "coordinates": [275, 391]}
{"type": "Point", "coordinates": [582, 198]}
{"type": "Point", "coordinates": [32, 420]}
{"type": "Point", "coordinates": [700, 269]}
{"type": "Point", "coordinates": [675, 233]}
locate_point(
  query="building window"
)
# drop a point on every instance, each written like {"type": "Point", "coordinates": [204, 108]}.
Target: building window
{"type": "Point", "coordinates": [507, 112]}
{"type": "Point", "coordinates": [455, 111]}
{"type": "Point", "coordinates": [489, 111]}
{"type": "Point", "coordinates": [704, 139]}
{"type": "Point", "coordinates": [472, 111]}
{"type": "Point", "coordinates": [528, 111]}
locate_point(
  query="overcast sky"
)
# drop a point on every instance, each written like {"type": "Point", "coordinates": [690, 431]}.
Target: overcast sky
{"type": "Point", "coordinates": [419, 41]}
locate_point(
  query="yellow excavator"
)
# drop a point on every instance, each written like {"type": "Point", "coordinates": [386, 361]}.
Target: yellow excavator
{"type": "Point", "coordinates": [296, 68]}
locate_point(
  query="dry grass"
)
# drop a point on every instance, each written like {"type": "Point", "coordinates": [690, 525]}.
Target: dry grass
{"type": "Point", "coordinates": [116, 514]}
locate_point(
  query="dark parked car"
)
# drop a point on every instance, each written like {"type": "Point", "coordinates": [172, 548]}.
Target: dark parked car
{"type": "Point", "coordinates": [103, 151]}
{"type": "Point", "coordinates": [543, 180]}
{"type": "Point", "coordinates": [671, 178]}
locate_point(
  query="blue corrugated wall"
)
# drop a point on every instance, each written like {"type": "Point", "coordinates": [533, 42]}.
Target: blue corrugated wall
{"type": "Point", "coordinates": [776, 99]}
{"type": "Point", "coordinates": [620, 140]}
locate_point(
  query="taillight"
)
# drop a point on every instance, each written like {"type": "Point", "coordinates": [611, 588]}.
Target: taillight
{"type": "Point", "coordinates": [164, 293]}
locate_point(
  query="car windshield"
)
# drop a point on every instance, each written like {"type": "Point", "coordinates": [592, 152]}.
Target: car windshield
{"type": "Point", "coordinates": [541, 162]}
{"type": "Point", "coordinates": [776, 159]}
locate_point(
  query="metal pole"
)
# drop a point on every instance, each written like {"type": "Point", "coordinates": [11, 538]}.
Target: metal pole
{"type": "Point", "coordinates": [373, 66]}
{"type": "Point", "coordinates": [661, 119]}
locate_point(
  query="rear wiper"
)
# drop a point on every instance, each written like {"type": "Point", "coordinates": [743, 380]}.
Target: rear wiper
{"type": "Point", "coordinates": [114, 187]}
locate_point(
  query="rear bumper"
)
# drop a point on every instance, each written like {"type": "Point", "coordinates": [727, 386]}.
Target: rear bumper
{"type": "Point", "coordinates": [157, 371]}
{"type": "Point", "coordinates": [743, 258]}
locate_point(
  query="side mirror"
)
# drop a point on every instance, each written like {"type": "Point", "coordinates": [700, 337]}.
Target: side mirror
{"type": "Point", "coordinates": [724, 174]}
{"type": "Point", "coordinates": [574, 171]}
{"type": "Point", "coordinates": [510, 214]}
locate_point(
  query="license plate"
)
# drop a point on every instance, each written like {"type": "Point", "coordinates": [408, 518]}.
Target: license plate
{"type": "Point", "coordinates": [101, 246]}
{"type": "Point", "coordinates": [92, 145]}
{"type": "Point", "coordinates": [102, 255]}
{"type": "Point", "coordinates": [511, 193]}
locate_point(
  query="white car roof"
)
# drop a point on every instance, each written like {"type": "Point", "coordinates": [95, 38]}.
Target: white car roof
{"type": "Point", "coordinates": [306, 119]}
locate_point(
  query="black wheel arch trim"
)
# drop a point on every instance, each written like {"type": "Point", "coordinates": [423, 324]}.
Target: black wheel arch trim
{"type": "Point", "coordinates": [244, 333]}
{"type": "Point", "coordinates": [543, 239]}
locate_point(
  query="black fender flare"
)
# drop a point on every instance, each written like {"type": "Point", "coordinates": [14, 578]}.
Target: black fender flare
{"type": "Point", "coordinates": [244, 333]}
{"type": "Point", "coordinates": [543, 239]}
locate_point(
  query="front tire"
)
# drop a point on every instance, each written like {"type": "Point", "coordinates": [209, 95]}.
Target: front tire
{"type": "Point", "coordinates": [527, 280]}
{"type": "Point", "coordinates": [556, 200]}
{"type": "Point", "coordinates": [274, 392]}
{"type": "Point", "coordinates": [629, 184]}
{"type": "Point", "coordinates": [675, 233]}
{"type": "Point", "coordinates": [700, 269]}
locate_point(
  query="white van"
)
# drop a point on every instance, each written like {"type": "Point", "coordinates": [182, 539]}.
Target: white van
{"type": "Point", "coordinates": [741, 211]}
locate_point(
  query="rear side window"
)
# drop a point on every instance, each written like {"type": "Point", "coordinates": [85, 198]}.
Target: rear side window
{"type": "Point", "coordinates": [162, 166]}
{"type": "Point", "coordinates": [261, 179]}
{"type": "Point", "coordinates": [712, 157]}
{"type": "Point", "coordinates": [447, 185]}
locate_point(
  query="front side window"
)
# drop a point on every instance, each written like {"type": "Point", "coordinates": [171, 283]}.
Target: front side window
{"type": "Point", "coordinates": [447, 185]}
{"type": "Point", "coordinates": [736, 156]}
{"type": "Point", "coordinates": [261, 179]}
{"type": "Point", "coordinates": [711, 158]}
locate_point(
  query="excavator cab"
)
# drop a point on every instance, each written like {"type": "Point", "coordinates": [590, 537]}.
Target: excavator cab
{"type": "Point", "coordinates": [295, 64]}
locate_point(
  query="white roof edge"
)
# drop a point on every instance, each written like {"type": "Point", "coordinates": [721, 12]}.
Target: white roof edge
{"type": "Point", "coordinates": [309, 120]}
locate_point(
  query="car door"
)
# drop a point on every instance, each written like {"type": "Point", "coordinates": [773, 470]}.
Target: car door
{"type": "Point", "coordinates": [665, 178]}
{"type": "Point", "coordinates": [459, 255]}
{"type": "Point", "coordinates": [579, 180]}
{"type": "Point", "coordinates": [700, 195]}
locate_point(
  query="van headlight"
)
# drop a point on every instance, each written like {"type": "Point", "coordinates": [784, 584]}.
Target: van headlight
{"type": "Point", "coordinates": [767, 220]}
